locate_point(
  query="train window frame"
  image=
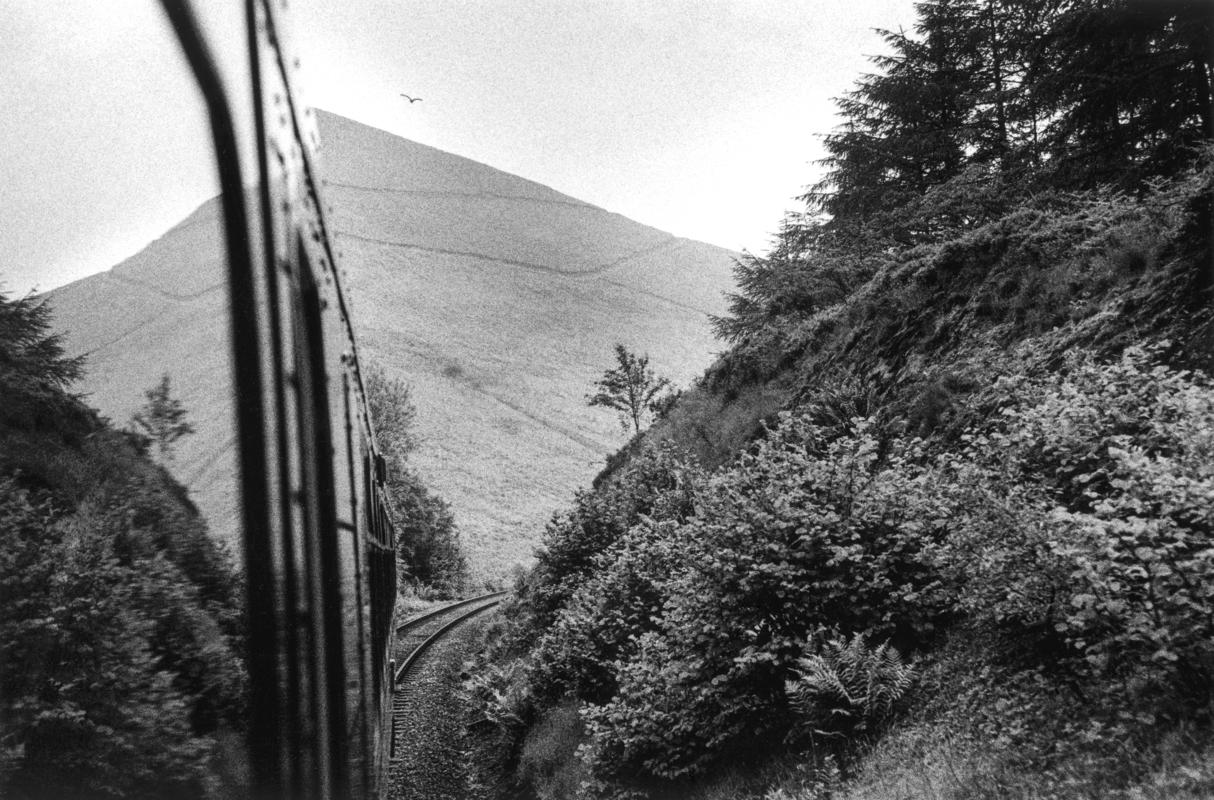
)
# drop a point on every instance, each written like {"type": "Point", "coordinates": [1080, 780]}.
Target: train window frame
{"type": "Point", "coordinates": [319, 512]}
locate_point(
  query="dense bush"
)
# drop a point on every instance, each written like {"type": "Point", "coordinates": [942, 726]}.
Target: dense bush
{"type": "Point", "coordinates": [1120, 554]}
{"type": "Point", "coordinates": [802, 533]}
{"type": "Point", "coordinates": [1075, 524]}
{"type": "Point", "coordinates": [658, 484]}
{"type": "Point", "coordinates": [932, 421]}
{"type": "Point", "coordinates": [600, 624]}
{"type": "Point", "coordinates": [939, 461]}
{"type": "Point", "coordinates": [428, 542]}
{"type": "Point", "coordinates": [90, 710]}
{"type": "Point", "coordinates": [121, 657]}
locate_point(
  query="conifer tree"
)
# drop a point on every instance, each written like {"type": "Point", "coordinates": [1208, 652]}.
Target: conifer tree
{"type": "Point", "coordinates": [162, 418]}
{"type": "Point", "coordinates": [29, 352]}
{"type": "Point", "coordinates": [903, 128]}
{"type": "Point", "coordinates": [1045, 93]}
{"type": "Point", "coordinates": [1127, 87]}
{"type": "Point", "coordinates": [33, 368]}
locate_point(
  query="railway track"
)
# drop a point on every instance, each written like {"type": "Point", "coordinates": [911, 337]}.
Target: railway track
{"type": "Point", "coordinates": [415, 640]}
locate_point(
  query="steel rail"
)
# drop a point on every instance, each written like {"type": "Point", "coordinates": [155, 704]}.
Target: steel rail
{"type": "Point", "coordinates": [484, 602]}
{"type": "Point", "coordinates": [412, 658]}
{"type": "Point", "coordinates": [430, 615]}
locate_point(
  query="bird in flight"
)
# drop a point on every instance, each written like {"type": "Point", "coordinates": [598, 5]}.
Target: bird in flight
{"type": "Point", "coordinates": [411, 100]}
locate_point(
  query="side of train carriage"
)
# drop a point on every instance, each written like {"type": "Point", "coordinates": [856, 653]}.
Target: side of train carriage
{"type": "Point", "coordinates": [318, 547]}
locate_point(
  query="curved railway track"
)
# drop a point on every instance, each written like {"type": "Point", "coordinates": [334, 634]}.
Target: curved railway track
{"type": "Point", "coordinates": [417, 635]}
{"type": "Point", "coordinates": [429, 650]}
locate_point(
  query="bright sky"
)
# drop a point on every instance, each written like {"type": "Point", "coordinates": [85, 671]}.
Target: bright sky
{"type": "Point", "coordinates": [698, 117]}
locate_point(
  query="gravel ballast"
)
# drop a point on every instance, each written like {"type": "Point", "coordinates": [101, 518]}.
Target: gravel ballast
{"type": "Point", "coordinates": [431, 749]}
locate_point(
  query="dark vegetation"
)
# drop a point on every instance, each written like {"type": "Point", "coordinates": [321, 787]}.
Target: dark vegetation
{"type": "Point", "coordinates": [122, 642]}
{"type": "Point", "coordinates": [939, 522]}
{"type": "Point", "coordinates": [431, 561]}
{"type": "Point", "coordinates": [121, 629]}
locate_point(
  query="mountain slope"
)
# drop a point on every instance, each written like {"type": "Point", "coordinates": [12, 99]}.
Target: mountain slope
{"type": "Point", "coordinates": [496, 298]}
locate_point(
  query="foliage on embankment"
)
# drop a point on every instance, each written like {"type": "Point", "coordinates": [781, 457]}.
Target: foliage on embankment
{"type": "Point", "coordinates": [121, 624]}
{"type": "Point", "coordinates": [964, 414]}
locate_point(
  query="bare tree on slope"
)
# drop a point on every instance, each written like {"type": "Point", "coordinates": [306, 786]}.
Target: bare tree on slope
{"type": "Point", "coordinates": [631, 388]}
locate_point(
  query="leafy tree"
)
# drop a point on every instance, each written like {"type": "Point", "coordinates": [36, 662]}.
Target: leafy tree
{"type": "Point", "coordinates": [162, 418]}
{"type": "Point", "coordinates": [393, 414]}
{"type": "Point", "coordinates": [631, 388]}
{"type": "Point", "coordinates": [428, 541]}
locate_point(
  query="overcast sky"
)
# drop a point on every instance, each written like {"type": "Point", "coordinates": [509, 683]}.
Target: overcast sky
{"type": "Point", "coordinates": [698, 117]}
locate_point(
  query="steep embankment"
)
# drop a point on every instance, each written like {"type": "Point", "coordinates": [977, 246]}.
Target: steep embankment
{"type": "Point", "coordinates": [946, 530]}
{"type": "Point", "coordinates": [989, 447]}
{"type": "Point", "coordinates": [989, 451]}
{"type": "Point", "coordinates": [497, 299]}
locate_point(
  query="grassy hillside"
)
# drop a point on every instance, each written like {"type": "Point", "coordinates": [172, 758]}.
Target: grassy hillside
{"type": "Point", "coordinates": [499, 300]}
{"type": "Point", "coordinates": [938, 522]}
{"type": "Point", "coordinates": [496, 299]}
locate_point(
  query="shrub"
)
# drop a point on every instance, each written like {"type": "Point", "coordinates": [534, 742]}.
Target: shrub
{"type": "Point", "coordinates": [1073, 523]}
{"type": "Point", "coordinates": [659, 483]}
{"type": "Point", "coordinates": [502, 695]}
{"type": "Point", "coordinates": [1115, 554]}
{"type": "Point", "coordinates": [121, 630]}
{"type": "Point", "coordinates": [91, 711]}
{"type": "Point", "coordinates": [601, 623]}
{"type": "Point", "coordinates": [800, 534]}
{"type": "Point", "coordinates": [428, 541]}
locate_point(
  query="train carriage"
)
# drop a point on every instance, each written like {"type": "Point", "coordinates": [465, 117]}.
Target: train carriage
{"type": "Point", "coordinates": [319, 550]}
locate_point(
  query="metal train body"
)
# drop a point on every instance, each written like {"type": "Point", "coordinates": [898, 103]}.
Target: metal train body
{"type": "Point", "coordinates": [319, 550]}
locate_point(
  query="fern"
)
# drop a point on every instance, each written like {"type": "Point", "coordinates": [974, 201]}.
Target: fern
{"type": "Point", "coordinates": [849, 689]}
{"type": "Point", "coordinates": [501, 696]}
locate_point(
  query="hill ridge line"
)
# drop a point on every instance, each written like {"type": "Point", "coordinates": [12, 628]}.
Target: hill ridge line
{"type": "Point", "coordinates": [110, 274]}
{"type": "Point", "coordinates": [211, 460]}
{"type": "Point", "coordinates": [362, 129]}
{"type": "Point", "coordinates": [425, 353]}
{"type": "Point", "coordinates": [456, 193]}
{"type": "Point", "coordinates": [573, 273]}
{"type": "Point", "coordinates": [657, 296]}
{"type": "Point", "coordinates": [124, 334]}
{"type": "Point", "coordinates": [162, 292]}
{"type": "Point", "coordinates": [586, 442]}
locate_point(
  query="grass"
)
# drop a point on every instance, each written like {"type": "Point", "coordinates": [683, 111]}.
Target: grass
{"type": "Point", "coordinates": [980, 729]}
{"type": "Point", "coordinates": [930, 762]}
{"type": "Point", "coordinates": [977, 728]}
{"type": "Point", "coordinates": [549, 762]}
